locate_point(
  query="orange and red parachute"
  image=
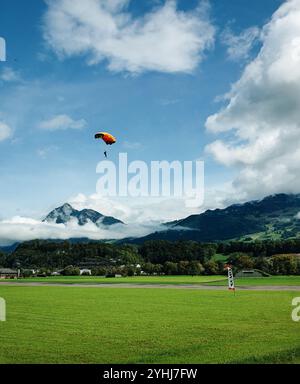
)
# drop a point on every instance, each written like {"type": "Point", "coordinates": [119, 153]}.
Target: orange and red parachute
{"type": "Point", "coordinates": [106, 137]}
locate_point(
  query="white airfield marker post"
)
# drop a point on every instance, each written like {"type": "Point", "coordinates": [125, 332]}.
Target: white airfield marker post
{"type": "Point", "coordinates": [231, 285]}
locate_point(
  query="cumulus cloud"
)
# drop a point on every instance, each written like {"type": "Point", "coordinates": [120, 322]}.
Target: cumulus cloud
{"type": "Point", "coordinates": [24, 229]}
{"type": "Point", "coordinates": [263, 113]}
{"type": "Point", "coordinates": [62, 122]}
{"type": "Point", "coordinates": [165, 39]}
{"type": "Point", "coordinates": [5, 131]}
{"type": "Point", "coordinates": [240, 46]}
{"type": "Point", "coordinates": [141, 210]}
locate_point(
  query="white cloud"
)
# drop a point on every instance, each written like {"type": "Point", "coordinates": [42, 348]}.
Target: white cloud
{"type": "Point", "coordinates": [132, 145]}
{"type": "Point", "coordinates": [5, 131]}
{"type": "Point", "coordinates": [141, 210]}
{"type": "Point", "coordinates": [168, 102]}
{"type": "Point", "coordinates": [240, 46]}
{"type": "Point", "coordinates": [142, 217]}
{"type": "Point", "coordinates": [263, 113]}
{"type": "Point", "coordinates": [9, 75]}
{"type": "Point", "coordinates": [62, 122]}
{"type": "Point", "coordinates": [165, 39]}
{"type": "Point", "coordinates": [44, 152]}
{"type": "Point", "coordinates": [24, 229]}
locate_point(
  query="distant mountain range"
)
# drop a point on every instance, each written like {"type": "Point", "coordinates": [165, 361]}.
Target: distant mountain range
{"type": "Point", "coordinates": [9, 248]}
{"type": "Point", "coordinates": [66, 213]}
{"type": "Point", "coordinates": [274, 217]}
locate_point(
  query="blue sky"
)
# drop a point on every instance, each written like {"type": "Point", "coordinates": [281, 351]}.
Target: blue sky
{"type": "Point", "coordinates": [162, 114]}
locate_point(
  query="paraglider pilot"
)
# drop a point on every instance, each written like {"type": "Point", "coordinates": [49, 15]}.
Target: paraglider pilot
{"type": "Point", "coordinates": [107, 138]}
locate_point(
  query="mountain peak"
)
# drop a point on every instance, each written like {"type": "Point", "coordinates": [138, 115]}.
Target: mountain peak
{"type": "Point", "coordinates": [66, 212]}
{"type": "Point", "coordinates": [66, 205]}
{"type": "Point", "coordinates": [66, 208]}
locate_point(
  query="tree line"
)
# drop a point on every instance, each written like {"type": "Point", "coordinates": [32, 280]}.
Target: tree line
{"type": "Point", "coordinates": [156, 257]}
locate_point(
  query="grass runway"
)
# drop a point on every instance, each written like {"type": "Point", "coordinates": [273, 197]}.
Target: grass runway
{"type": "Point", "coordinates": [78, 325]}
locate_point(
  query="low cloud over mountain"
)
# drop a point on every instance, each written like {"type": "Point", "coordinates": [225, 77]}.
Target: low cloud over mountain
{"type": "Point", "coordinates": [66, 222]}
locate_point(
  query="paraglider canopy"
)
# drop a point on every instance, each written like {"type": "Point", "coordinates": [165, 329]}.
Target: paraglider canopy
{"type": "Point", "coordinates": [106, 137]}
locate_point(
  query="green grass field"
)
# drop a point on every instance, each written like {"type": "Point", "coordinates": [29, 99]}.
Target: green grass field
{"type": "Point", "coordinates": [135, 280]}
{"type": "Point", "coordinates": [173, 280]}
{"type": "Point", "coordinates": [219, 257]}
{"type": "Point", "coordinates": [260, 281]}
{"type": "Point", "coordinates": [104, 325]}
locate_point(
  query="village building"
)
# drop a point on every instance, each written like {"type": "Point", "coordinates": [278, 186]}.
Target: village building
{"type": "Point", "coordinates": [7, 273]}
{"type": "Point", "coordinates": [249, 273]}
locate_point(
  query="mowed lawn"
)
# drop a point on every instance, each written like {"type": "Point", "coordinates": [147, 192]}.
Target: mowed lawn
{"type": "Point", "coordinates": [210, 280]}
{"type": "Point", "coordinates": [104, 325]}
{"type": "Point", "coordinates": [261, 281]}
{"type": "Point", "coordinates": [119, 280]}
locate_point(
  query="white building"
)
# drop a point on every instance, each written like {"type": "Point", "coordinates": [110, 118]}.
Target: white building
{"type": "Point", "coordinates": [85, 272]}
